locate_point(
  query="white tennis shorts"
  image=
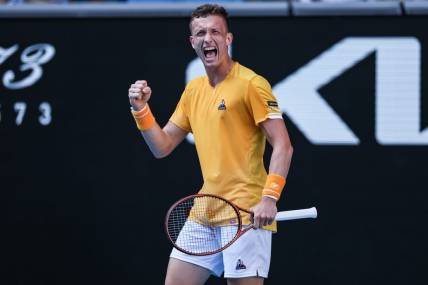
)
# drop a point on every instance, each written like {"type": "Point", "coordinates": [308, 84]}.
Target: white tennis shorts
{"type": "Point", "coordinates": [248, 256]}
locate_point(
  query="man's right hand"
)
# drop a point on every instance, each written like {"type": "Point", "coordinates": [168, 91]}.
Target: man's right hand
{"type": "Point", "coordinates": [139, 94]}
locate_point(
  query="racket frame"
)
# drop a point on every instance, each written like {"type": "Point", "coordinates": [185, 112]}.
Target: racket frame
{"type": "Point", "coordinates": [281, 216]}
{"type": "Point", "coordinates": [237, 210]}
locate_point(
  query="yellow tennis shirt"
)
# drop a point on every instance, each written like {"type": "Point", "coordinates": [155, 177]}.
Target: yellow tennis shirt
{"type": "Point", "coordinates": [224, 121]}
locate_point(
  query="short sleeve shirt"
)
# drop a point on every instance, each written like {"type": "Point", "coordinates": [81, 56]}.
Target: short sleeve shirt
{"type": "Point", "coordinates": [225, 122]}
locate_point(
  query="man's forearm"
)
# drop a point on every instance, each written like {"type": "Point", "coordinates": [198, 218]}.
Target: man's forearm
{"type": "Point", "coordinates": [158, 141]}
{"type": "Point", "coordinates": [281, 159]}
{"type": "Point", "coordinates": [278, 170]}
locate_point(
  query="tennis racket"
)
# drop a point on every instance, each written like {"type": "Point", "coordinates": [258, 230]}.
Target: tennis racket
{"type": "Point", "coordinates": [205, 224]}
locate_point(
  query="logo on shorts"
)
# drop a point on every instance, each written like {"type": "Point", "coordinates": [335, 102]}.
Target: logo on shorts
{"type": "Point", "coordinates": [240, 265]}
{"type": "Point", "coordinates": [222, 105]}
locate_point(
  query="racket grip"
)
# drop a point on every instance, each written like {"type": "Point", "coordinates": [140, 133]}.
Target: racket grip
{"type": "Point", "coordinates": [297, 214]}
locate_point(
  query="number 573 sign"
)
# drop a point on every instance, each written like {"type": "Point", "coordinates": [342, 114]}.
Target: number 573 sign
{"type": "Point", "coordinates": [32, 59]}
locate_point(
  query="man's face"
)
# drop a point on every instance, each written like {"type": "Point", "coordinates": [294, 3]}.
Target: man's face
{"type": "Point", "coordinates": [210, 39]}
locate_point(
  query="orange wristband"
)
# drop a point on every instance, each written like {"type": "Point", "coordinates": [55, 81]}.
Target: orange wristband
{"type": "Point", "coordinates": [274, 185]}
{"type": "Point", "coordinates": [144, 118]}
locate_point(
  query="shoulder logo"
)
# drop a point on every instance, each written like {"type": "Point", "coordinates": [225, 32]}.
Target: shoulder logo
{"type": "Point", "coordinates": [272, 104]}
{"type": "Point", "coordinates": [222, 105]}
{"type": "Point", "coordinates": [240, 265]}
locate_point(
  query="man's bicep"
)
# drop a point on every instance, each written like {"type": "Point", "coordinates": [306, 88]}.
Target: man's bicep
{"type": "Point", "coordinates": [275, 131]}
{"type": "Point", "coordinates": [175, 134]}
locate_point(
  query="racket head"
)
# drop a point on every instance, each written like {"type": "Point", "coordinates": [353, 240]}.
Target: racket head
{"type": "Point", "coordinates": [203, 224]}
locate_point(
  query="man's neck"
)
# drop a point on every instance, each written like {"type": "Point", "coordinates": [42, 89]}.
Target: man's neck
{"type": "Point", "coordinates": [218, 74]}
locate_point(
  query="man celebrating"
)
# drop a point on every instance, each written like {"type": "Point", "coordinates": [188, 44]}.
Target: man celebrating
{"type": "Point", "coordinates": [231, 112]}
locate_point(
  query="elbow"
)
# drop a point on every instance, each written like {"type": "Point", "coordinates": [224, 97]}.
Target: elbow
{"type": "Point", "coordinates": [290, 150]}
{"type": "Point", "coordinates": [160, 144]}
{"type": "Point", "coordinates": [284, 148]}
{"type": "Point", "coordinates": [161, 153]}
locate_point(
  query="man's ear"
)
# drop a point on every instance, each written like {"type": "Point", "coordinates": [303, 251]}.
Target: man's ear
{"type": "Point", "coordinates": [191, 39]}
{"type": "Point", "coordinates": [229, 39]}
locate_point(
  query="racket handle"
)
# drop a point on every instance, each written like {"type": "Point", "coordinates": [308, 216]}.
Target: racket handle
{"type": "Point", "coordinates": [297, 214]}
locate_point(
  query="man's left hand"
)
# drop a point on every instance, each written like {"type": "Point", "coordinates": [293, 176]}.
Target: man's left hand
{"type": "Point", "coordinates": [264, 212]}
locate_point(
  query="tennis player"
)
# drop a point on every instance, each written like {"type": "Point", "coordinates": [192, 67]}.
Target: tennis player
{"type": "Point", "coordinates": [231, 112]}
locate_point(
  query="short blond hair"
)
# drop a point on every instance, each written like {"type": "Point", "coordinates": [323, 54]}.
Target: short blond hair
{"type": "Point", "coordinates": [208, 10]}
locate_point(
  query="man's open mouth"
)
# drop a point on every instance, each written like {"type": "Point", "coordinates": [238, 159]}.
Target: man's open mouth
{"type": "Point", "coordinates": [210, 52]}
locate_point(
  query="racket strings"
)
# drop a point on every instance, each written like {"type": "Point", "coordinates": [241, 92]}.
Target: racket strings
{"type": "Point", "coordinates": [202, 225]}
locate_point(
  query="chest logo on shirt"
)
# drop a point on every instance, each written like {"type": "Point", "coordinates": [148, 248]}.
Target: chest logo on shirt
{"type": "Point", "coordinates": [222, 105]}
